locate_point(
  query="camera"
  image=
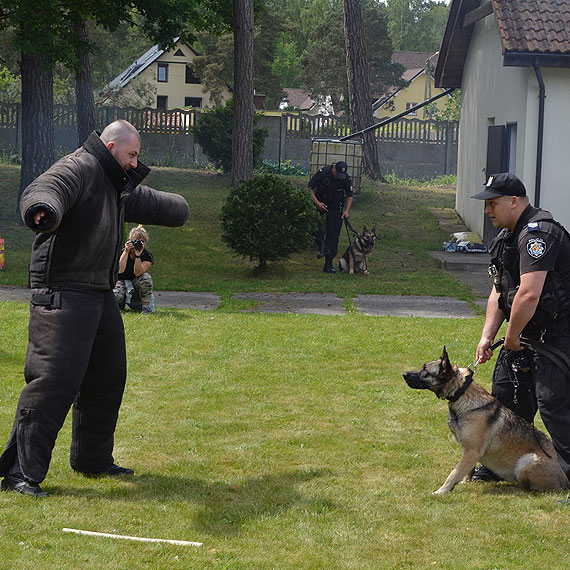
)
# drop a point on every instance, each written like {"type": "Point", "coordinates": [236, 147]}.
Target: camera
{"type": "Point", "coordinates": [138, 244]}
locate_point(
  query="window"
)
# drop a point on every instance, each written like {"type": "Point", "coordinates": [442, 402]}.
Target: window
{"type": "Point", "coordinates": [162, 72]}
{"type": "Point", "coordinates": [162, 102]}
{"type": "Point", "coordinates": [179, 53]}
{"type": "Point", "coordinates": [192, 101]}
{"type": "Point", "coordinates": [409, 106]}
{"type": "Point", "coordinates": [190, 77]}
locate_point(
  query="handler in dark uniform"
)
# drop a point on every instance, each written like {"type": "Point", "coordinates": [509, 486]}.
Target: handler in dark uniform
{"type": "Point", "coordinates": [76, 351]}
{"type": "Point", "coordinates": [530, 267]}
{"type": "Point", "coordinates": [330, 186]}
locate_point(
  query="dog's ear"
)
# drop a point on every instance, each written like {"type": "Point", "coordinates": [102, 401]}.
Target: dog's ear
{"type": "Point", "coordinates": [446, 367]}
{"type": "Point", "coordinates": [364, 230]}
{"type": "Point", "coordinates": [373, 230]}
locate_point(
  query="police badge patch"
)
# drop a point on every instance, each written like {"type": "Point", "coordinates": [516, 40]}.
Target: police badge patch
{"type": "Point", "coordinates": [536, 247]}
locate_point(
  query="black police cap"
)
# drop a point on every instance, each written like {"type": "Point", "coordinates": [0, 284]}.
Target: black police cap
{"type": "Point", "coordinates": [340, 168]}
{"type": "Point", "coordinates": [502, 184]}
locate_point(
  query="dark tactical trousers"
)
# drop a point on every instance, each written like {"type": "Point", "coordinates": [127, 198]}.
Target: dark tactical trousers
{"type": "Point", "coordinates": [331, 233]}
{"type": "Point", "coordinates": [550, 395]}
{"type": "Point", "coordinates": [76, 357]}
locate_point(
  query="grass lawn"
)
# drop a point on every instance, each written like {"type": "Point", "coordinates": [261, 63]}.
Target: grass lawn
{"type": "Point", "coordinates": [193, 258]}
{"type": "Point", "coordinates": [280, 442]}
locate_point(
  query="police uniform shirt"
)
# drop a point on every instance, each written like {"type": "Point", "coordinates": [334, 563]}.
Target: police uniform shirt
{"type": "Point", "coordinates": [543, 247]}
{"type": "Point", "coordinates": [327, 187]}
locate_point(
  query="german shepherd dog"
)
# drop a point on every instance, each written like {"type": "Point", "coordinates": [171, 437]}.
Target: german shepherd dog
{"type": "Point", "coordinates": [488, 432]}
{"type": "Point", "coordinates": [356, 255]}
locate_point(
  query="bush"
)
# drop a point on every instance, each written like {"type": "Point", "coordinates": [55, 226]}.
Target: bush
{"type": "Point", "coordinates": [213, 133]}
{"type": "Point", "coordinates": [286, 167]}
{"type": "Point", "coordinates": [267, 218]}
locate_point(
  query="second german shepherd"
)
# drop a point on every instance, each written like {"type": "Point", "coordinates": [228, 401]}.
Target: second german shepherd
{"type": "Point", "coordinates": [356, 255]}
{"type": "Point", "coordinates": [488, 432]}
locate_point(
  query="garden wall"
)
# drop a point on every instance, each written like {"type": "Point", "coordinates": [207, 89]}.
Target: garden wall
{"type": "Point", "coordinates": [408, 147]}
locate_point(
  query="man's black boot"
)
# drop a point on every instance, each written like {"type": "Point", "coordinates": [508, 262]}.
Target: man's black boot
{"type": "Point", "coordinates": [322, 250]}
{"type": "Point", "coordinates": [482, 473]}
{"type": "Point", "coordinates": [20, 485]}
{"type": "Point", "coordinates": [328, 268]}
{"type": "Point", "coordinates": [112, 471]}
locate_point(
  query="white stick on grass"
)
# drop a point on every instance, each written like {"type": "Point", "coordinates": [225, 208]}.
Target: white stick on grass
{"type": "Point", "coordinates": [138, 538]}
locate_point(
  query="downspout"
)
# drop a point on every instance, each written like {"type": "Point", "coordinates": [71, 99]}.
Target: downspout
{"type": "Point", "coordinates": [540, 137]}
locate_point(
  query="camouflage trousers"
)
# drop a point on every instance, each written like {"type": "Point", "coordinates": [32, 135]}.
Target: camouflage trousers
{"type": "Point", "coordinates": [135, 292]}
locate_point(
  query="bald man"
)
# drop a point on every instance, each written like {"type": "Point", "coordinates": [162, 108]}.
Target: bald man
{"type": "Point", "coordinates": [76, 352]}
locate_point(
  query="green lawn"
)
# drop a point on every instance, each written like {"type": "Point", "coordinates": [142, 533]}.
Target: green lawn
{"type": "Point", "coordinates": [279, 442]}
{"type": "Point", "coordinates": [193, 258]}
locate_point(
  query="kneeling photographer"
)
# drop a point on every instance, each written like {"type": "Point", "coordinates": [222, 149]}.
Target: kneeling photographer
{"type": "Point", "coordinates": [134, 286]}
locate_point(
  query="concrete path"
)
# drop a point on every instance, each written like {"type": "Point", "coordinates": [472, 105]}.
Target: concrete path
{"type": "Point", "coordinates": [301, 303]}
{"type": "Point", "coordinates": [470, 268]}
{"type": "Point", "coordinates": [413, 306]}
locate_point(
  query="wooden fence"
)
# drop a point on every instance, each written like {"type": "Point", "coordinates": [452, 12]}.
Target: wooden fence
{"type": "Point", "coordinates": [298, 126]}
{"type": "Point", "coordinates": [145, 120]}
{"type": "Point", "coordinates": [402, 130]}
{"type": "Point", "coordinates": [409, 147]}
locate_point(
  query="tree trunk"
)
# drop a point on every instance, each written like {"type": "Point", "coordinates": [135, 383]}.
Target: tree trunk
{"type": "Point", "coordinates": [37, 120]}
{"type": "Point", "coordinates": [84, 100]}
{"type": "Point", "coordinates": [242, 139]}
{"type": "Point", "coordinates": [358, 71]}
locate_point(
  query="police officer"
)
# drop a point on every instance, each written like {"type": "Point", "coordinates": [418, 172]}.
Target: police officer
{"type": "Point", "coordinates": [329, 187]}
{"type": "Point", "coordinates": [530, 267]}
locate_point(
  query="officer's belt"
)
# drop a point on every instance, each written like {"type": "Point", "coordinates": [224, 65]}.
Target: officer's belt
{"type": "Point", "coordinates": [557, 356]}
{"type": "Point", "coordinates": [52, 300]}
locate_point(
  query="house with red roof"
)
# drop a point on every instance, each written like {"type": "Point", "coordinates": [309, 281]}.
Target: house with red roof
{"type": "Point", "coordinates": [511, 60]}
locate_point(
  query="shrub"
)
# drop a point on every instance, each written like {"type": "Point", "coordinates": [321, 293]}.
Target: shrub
{"type": "Point", "coordinates": [213, 133]}
{"type": "Point", "coordinates": [286, 167]}
{"type": "Point", "coordinates": [267, 218]}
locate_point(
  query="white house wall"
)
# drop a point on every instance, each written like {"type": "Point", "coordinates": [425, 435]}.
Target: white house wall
{"type": "Point", "coordinates": [555, 183]}
{"type": "Point", "coordinates": [491, 94]}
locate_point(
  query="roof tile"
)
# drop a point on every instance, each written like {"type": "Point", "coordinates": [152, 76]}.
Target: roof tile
{"type": "Point", "coordinates": [536, 26]}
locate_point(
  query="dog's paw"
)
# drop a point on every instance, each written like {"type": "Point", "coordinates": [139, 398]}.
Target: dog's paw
{"type": "Point", "coordinates": [440, 491]}
{"type": "Point", "coordinates": [366, 272]}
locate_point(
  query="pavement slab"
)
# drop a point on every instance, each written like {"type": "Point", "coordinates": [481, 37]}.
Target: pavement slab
{"type": "Point", "coordinates": [300, 303]}
{"type": "Point", "coordinates": [413, 306]}
{"type": "Point", "coordinates": [186, 300]}
{"type": "Point", "coordinates": [166, 299]}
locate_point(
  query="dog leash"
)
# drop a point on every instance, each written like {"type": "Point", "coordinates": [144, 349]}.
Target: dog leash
{"type": "Point", "coordinates": [495, 345]}
{"type": "Point", "coordinates": [557, 356]}
{"type": "Point", "coordinates": [348, 226]}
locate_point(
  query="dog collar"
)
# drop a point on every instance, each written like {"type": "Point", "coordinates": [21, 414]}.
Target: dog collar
{"type": "Point", "coordinates": [462, 390]}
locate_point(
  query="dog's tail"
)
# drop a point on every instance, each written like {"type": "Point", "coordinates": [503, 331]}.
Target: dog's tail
{"type": "Point", "coordinates": [539, 473]}
{"type": "Point", "coordinates": [342, 264]}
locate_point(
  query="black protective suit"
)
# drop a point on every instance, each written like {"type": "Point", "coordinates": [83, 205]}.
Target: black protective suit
{"type": "Point", "coordinates": [76, 351]}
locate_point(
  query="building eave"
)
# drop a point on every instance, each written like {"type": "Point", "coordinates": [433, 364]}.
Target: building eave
{"type": "Point", "coordinates": [529, 59]}
{"type": "Point", "coordinates": [454, 45]}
